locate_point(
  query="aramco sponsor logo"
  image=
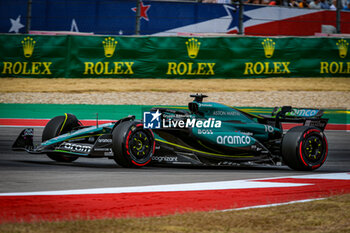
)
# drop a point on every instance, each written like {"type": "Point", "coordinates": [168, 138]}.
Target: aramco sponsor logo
{"type": "Point", "coordinates": [233, 140]}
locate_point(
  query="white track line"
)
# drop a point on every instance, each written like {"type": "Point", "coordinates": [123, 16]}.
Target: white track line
{"type": "Point", "coordinates": [271, 205]}
{"type": "Point", "coordinates": [327, 176]}
{"type": "Point", "coordinates": [331, 176]}
{"type": "Point", "coordinates": [221, 185]}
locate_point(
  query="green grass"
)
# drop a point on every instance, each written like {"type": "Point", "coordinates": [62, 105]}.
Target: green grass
{"type": "Point", "coordinates": [329, 215]}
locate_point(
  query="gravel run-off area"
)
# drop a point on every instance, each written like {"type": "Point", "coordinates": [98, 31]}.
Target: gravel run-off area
{"type": "Point", "coordinates": [316, 99]}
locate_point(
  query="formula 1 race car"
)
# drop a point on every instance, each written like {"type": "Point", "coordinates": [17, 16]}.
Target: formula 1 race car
{"type": "Point", "coordinates": [206, 133]}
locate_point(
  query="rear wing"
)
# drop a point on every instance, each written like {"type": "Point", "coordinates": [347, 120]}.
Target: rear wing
{"type": "Point", "coordinates": [287, 114]}
{"type": "Point", "coordinates": [299, 112]}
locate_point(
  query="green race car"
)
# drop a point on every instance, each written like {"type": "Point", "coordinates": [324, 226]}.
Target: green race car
{"type": "Point", "coordinates": [207, 133]}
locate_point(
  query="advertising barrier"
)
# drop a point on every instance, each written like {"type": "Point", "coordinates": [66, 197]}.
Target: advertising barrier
{"type": "Point", "coordinates": [172, 57]}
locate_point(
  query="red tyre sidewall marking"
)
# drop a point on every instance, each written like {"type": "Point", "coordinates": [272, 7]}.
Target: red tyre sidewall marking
{"type": "Point", "coordinates": [141, 164]}
{"type": "Point", "coordinates": [127, 143]}
{"type": "Point", "coordinates": [312, 130]}
{"type": "Point", "coordinates": [325, 156]}
{"type": "Point", "coordinates": [301, 153]}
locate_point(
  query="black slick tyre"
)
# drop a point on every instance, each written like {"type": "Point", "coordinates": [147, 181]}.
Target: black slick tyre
{"type": "Point", "coordinates": [133, 146]}
{"type": "Point", "coordinates": [304, 148]}
{"type": "Point", "coordinates": [55, 127]}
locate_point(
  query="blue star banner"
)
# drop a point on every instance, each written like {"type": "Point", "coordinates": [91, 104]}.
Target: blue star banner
{"type": "Point", "coordinates": [118, 17]}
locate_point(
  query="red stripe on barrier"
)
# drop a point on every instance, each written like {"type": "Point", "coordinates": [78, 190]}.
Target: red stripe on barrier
{"type": "Point", "coordinates": [99, 206]}
{"type": "Point", "coordinates": [24, 122]}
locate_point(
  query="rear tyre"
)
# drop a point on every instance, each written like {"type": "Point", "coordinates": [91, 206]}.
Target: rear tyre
{"type": "Point", "coordinates": [133, 146]}
{"type": "Point", "coordinates": [304, 148]}
{"type": "Point", "coordinates": [57, 126]}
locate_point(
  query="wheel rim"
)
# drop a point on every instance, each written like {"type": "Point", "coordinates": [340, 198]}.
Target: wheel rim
{"type": "Point", "coordinates": [140, 146]}
{"type": "Point", "coordinates": [313, 149]}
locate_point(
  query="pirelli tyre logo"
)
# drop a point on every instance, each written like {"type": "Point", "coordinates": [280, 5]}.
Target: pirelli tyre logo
{"type": "Point", "coordinates": [109, 47]}
{"type": "Point", "coordinates": [191, 68]}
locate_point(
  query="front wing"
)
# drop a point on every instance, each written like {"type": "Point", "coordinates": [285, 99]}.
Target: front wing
{"type": "Point", "coordinates": [102, 147]}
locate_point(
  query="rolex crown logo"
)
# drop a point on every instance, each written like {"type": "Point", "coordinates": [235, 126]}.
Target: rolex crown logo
{"type": "Point", "coordinates": [28, 46]}
{"type": "Point", "coordinates": [109, 45]}
{"type": "Point", "coordinates": [193, 47]}
{"type": "Point", "coordinates": [269, 47]}
{"type": "Point", "coordinates": [343, 48]}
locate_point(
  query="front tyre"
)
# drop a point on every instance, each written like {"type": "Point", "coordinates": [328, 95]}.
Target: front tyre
{"type": "Point", "coordinates": [304, 148]}
{"type": "Point", "coordinates": [133, 146]}
{"type": "Point", "coordinates": [55, 127]}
